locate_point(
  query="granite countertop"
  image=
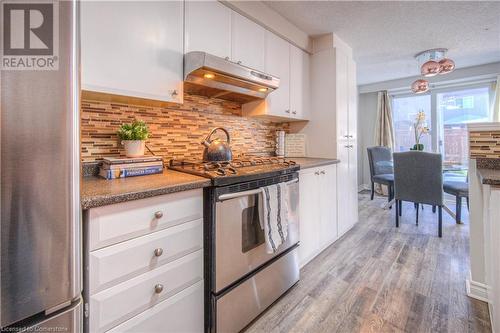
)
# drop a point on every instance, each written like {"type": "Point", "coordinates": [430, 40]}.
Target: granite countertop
{"type": "Point", "coordinates": [490, 176]}
{"type": "Point", "coordinates": [97, 191]}
{"type": "Point", "coordinates": [489, 170]}
{"type": "Point", "coordinates": [312, 162]}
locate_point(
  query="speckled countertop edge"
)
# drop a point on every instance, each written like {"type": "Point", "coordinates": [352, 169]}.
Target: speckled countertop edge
{"type": "Point", "coordinates": [313, 162]}
{"type": "Point", "coordinates": [489, 176]}
{"type": "Point", "coordinates": [97, 192]}
{"type": "Point", "coordinates": [489, 170]}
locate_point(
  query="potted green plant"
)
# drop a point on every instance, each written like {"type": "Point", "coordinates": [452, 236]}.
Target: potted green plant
{"type": "Point", "coordinates": [133, 136]}
{"type": "Point", "coordinates": [420, 128]}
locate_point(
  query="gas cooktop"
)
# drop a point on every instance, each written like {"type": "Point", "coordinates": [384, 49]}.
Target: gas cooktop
{"type": "Point", "coordinates": [238, 170]}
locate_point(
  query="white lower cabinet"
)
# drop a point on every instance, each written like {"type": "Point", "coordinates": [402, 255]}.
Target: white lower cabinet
{"type": "Point", "coordinates": [150, 276]}
{"type": "Point", "coordinates": [318, 210]}
{"type": "Point", "coordinates": [126, 300]}
{"type": "Point", "coordinates": [180, 313]}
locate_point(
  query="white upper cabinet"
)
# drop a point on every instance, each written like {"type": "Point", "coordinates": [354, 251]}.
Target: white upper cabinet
{"type": "Point", "coordinates": [133, 48]}
{"type": "Point", "coordinates": [299, 83]}
{"type": "Point", "coordinates": [291, 100]}
{"type": "Point", "coordinates": [278, 64]}
{"type": "Point", "coordinates": [248, 42]}
{"type": "Point", "coordinates": [208, 28]}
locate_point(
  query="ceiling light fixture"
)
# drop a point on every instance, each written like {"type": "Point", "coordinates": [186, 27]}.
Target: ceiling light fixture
{"type": "Point", "coordinates": [208, 75]}
{"type": "Point", "coordinates": [432, 62]}
{"type": "Point", "coordinates": [420, 86]}
{"type": "Point", "coordinates": [447, 66]}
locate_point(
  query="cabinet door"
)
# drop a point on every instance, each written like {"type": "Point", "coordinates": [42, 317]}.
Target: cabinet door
{"type": "Point", "coordinates": [133, 48]}
{"type": "Point", "coordinates": [278, 64]}
{"type": "Point", "coordinates": [299, 83]}
{"type": "Point", "coordinates": [309, 215]}
{"type": "Point", "coordinates": [342, 97]}
{"type": "Point", "coordinates": [328, 205]}
{"type": "Point", "coordinates": [248, 42]}
{"type": "Point", "coordinates": [208, 28]}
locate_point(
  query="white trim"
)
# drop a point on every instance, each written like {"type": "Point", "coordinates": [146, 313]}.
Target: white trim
{"type": "Point", "coordinates": [492, 126]}
{"type": "Point", "coordinates": [477, 290]}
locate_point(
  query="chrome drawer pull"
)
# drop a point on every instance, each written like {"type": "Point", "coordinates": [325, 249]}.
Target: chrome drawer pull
{"type": "Point", "coordinates": [158, 252]}
{"type": "Point", "coordinates": [158, 288]}
{"type": "Point", "coordinates": [159, 214]}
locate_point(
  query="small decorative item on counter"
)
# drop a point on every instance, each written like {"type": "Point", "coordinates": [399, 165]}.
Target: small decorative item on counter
{"type": "Point", "coordinates": [134, 138]}
{"type": "Point", "coordinates": [420, 128]}
{"type": "Point", "coordinates": [112, 168]}
{"type": "Point", "coordinates": [280, 143]}
{"type": "Point", "coordinates": [295, 145]}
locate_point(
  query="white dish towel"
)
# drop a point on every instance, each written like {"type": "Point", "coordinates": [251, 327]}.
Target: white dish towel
{"type": "Point", "coordinates": [274, 217]}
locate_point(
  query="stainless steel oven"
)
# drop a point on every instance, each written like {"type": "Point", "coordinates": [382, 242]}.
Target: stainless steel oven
{"type": "Point", "coordinates": [247, 279]}
{"type": "Point", "coordinates": [240, 246]}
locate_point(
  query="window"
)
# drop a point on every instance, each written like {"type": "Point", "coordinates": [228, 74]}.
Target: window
{"type": "Point", "coordinates": [447, 114]}
{"type": "Point", "coordinates": [455, 109]}
{"type": "Point", "coordinates": [405, 110]}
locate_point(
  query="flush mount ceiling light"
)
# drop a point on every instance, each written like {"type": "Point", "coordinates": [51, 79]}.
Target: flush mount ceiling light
{"type": "Point", "coordinates": [432, 62]}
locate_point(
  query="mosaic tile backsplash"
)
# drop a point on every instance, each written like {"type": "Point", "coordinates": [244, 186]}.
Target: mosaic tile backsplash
{"type": "Point", "coordinates": [177, 130]}
{"type": "Point", "coordinates": [484, 144]}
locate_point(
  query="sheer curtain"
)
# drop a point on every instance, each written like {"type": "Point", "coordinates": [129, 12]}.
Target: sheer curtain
{"type": "Point", "coordinates": [495, 105]}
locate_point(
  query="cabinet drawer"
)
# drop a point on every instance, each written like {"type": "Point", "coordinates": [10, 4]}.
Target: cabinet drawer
{"type": "Point", "coordinates": [123, 261]}
{"type": "Point", "coordinates": [126, 300]}
{"type": "Point", "coordinates": [116, 223]}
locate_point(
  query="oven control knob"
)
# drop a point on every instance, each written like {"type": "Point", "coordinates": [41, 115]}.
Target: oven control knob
{"type": "Point", "coordinates": [158, 288]}
{"type": "Point", "coordinates": [158, 252]}
{"type": "Point", "coordinates": [159, 214]}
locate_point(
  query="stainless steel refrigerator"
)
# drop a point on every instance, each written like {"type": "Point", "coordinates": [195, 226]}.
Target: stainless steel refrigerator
{"type": "Point", "coordinates": [39, 165]}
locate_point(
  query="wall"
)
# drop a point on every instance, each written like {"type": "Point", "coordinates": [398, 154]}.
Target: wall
{"type": "Point", "coordinates": [177, 130]}
{"type": "Point", "coordinates": [367, 115]}
{"type": "Point", "coordinates": [484, 144]}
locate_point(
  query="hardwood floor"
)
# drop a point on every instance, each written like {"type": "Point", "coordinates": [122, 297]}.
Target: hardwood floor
{"type": "Point", "coordinates": [381, 279]}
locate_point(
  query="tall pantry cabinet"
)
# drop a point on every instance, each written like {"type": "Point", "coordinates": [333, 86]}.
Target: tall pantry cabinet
{"type": "Point", "coordinates": [331, 130]}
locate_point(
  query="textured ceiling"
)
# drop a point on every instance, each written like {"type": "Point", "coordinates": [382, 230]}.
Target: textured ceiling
{"type": "Point", "coordinates": [386, 35]}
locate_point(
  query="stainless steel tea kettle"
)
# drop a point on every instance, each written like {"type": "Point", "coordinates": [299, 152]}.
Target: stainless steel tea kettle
{"type": "Point", "coordinates": [217, 150]}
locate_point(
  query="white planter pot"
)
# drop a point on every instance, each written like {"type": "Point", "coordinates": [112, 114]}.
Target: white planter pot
{"type": "Point", "coordinates": [134, 148]}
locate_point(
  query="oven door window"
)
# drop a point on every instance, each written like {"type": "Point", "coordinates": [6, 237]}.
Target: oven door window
{"type": "Point", "coordinates": [252, 233]}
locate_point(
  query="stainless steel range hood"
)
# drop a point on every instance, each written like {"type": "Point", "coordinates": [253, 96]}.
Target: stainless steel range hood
{"type": "Point", "coordinates": [208, 75]}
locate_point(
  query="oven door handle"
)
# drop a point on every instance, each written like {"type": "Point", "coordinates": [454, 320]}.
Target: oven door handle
{"type": "Point", "coordinates": [228, 196]}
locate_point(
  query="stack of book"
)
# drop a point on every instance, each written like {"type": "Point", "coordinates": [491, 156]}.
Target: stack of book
{"type": "Point", "coordinates": [112, 168]}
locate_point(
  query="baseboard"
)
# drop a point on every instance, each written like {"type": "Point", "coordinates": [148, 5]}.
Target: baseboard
{"type": "Point", "coordinates": [477, 290]}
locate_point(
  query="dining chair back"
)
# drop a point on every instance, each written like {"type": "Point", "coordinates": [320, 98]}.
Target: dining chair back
{"type": "Point", "coordinates": [418, 178]}
{"type": "Point", "coordinates": [381, 170]}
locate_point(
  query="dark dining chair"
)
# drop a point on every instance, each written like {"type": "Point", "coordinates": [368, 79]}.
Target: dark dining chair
{"type": "Point", "coordinates": [460, 189]}
{"type": "Point", "coordinates": [381, 169]}
{"type": "Point", "coordinates": [418, 178]}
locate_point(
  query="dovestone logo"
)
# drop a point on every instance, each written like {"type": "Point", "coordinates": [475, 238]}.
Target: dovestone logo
{"type": "Point", "coordinates": [30, 38]}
